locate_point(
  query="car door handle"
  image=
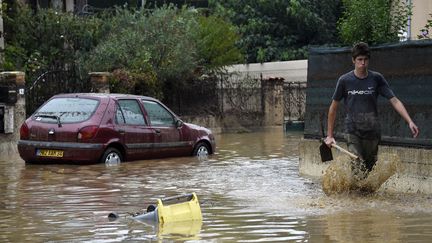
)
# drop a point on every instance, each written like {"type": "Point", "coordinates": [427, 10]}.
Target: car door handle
{"type": "Point", "coordinates": [157, 131]}
{"type": "Point", "coordinates": [121, 131]}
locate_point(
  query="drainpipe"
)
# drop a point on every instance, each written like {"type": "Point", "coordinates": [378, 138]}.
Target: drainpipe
{"type": "Point", "coordinates": [409, 23]}
{"type": "Point", "coordinates": [1, 32]}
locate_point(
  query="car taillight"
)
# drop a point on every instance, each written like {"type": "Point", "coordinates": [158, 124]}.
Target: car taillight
{"type": "Point", "coordinates": [24, 132]}
{"type": "Point", "coordinates": [87, 132]}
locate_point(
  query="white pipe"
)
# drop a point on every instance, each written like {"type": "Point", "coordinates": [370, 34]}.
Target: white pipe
{"type": "Point", "coordinates": [409, 23]}
{"type": "Point", "coordinates": [1, 30]}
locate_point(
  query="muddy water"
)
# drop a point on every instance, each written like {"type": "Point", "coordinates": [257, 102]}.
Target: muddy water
{"type": "Point", "coordinates": [345, 175]}
{"type": "Point", "coordinates": [250, 191]}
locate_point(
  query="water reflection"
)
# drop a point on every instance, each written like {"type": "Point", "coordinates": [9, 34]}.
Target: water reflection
{"type": "Point", "coordinates": [250, 191]}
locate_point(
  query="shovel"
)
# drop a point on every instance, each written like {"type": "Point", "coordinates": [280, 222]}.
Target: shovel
{"type": "Point", "coordinates": [325, 151]}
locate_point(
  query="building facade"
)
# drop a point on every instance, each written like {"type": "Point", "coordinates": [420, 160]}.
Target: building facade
{"type": "Point", "coordinates": [422, 10]}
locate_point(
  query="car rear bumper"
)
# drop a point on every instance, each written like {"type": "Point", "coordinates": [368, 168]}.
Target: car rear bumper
{"type": "Point", "coordinates": [72, 152]}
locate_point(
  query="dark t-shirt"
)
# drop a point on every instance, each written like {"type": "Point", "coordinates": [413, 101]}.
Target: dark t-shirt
{"type": "Point", "coordinates": [360, 98]}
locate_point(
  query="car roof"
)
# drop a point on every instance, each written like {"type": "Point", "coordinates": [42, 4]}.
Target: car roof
{"type": "Point", "coordinates": [104, 96]}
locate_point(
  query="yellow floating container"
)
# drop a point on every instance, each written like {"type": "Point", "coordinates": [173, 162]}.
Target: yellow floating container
{"type": "Point", "coordinates": [178, 208]}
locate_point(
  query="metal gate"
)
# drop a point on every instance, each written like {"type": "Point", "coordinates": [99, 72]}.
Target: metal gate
{"type": "Point", "coordinates": [51, 83]}
{"type": "Point", "coordinates": [294, 101]}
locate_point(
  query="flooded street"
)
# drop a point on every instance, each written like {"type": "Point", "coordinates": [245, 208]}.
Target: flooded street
{"type": "Point", "coordinates": [250, 191]}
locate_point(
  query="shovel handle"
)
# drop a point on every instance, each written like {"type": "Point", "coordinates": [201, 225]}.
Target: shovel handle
{"type": "Point", "coordinates": [353, 156]}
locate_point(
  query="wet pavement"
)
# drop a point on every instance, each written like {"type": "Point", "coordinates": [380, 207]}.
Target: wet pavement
{"type": "Point", "coordinates": [249, 191]}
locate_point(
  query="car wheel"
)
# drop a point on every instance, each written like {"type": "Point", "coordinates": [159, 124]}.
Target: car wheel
{"type": "Point", "coordinates": [201, 149]}
{"type": "Point", "coordinates": [112, 156]}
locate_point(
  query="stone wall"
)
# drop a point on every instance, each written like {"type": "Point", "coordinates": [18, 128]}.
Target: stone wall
{"type": "Point", "coordinates": [270, 114]}
{"type": "Point", "coordinates": [13, 109]}
{"type": "Point", "coordinates": [290, 71]}
{"type": "Point", "coordinates": [273, 101]}
{"type": "Point", "coordinates": [294, 75]}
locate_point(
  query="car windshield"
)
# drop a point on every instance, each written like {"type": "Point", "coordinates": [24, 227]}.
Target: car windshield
{"type": "Point", "coordinates": [66, 110]}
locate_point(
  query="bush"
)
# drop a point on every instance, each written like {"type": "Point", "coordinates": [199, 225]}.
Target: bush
{"type": "Point", "coordinates": [151, 52]}
{"type": "Point", "coordinates": [148, 46]}
{"type": "Point", "coordinates": [373, 21]}
{"type": "Point", "coordinates": [47, 40]}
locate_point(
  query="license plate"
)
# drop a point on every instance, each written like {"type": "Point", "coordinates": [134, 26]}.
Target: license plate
{"type": "Point", "coordinates": [49, 153]}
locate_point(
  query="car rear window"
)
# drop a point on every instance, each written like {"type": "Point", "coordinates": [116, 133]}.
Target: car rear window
{"type": "Point", "coordinates": [68, 110]}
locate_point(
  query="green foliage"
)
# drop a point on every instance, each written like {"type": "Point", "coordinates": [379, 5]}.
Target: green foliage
{"type": "Point", "coordinates": [122, 48]}
{"type": "Point", "coordinates": [170, 39]}
{"type": "Point", "coordinates": [373, 21]}
{"type": "Point", "coordinates": [158, 44]}
{"type": "Point", "coordinates": [274, 30]}
{"type": "Point", "coordinates": [135, 82]}
{"type": "Point", "coordinates": [167, 44]}
{"type": "Point", "coordinates": [426, 30]}
{"type": "Point", "coordinates": [47, 40]}
{"type": "Point", "coordinates": [216, 43]}
{"type": "Point", "coordinates": [145, 50]}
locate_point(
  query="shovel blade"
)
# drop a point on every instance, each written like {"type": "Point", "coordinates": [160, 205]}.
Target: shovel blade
{"type": "Point", "coordinates": [325, 152]}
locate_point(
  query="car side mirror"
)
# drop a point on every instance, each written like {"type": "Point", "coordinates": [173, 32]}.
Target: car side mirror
{"type": "Point", "coordinates": [179, 123]}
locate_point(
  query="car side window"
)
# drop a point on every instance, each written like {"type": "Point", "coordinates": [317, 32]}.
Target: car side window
{"type": "Point", "coordinates": [158, 115]}
{"type": "Point", "coordinates": [129, 113]}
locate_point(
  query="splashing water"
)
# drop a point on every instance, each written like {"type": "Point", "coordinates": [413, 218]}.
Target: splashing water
{"type": "Point", "coordinates": [344, 176]}
{"type": "Point", "coordinates": [386, 166]}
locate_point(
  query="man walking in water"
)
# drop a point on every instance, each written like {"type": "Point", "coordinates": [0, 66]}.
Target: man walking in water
{"type": "Point", "coordinates": [359, 89]}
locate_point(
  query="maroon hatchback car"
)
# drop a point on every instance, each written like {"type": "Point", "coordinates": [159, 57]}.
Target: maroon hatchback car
{"type": "Point", "coordinates": [108, 128]}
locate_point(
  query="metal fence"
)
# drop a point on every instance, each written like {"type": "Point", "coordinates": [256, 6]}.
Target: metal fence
{"type": "Point", "coordinates": [213, 95]}
{"type": "Point", "coordinates": [216, 95]}
{"type": "Point", "coordinates": [294, 101]}
{"type": "Point", "coordinates": [194, 97]}
{"type": "Point", "coordinates": [53, 82]}
{"type": "Point", "coordinates": [241, 94]}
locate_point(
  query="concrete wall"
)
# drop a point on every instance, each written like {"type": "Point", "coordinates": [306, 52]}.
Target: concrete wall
{"type": "Point", "coordinates": [211, 122]}
{"type": "Point", "coordinates": [290, 71]}
{"type": "Point", "coordinates": [414, 175]}
{"type": "Point", "coordinates": [294, 74]}
{"type": "Point", "coordinates": [267, 110]}
{"type": "Point", "coordinates": [273, 101]}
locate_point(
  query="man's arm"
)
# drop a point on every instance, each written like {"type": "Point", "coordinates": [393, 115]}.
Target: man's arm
{"type": "Point", "coordinates": [331, 117]}
{"type": "Point", "coordinates": [400, 108]}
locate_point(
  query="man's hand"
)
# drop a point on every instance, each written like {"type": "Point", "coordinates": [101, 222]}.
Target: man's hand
{"type": "Point", "coordinates": [414, 129]}
{"type": "Point", "coordinates": [400, 108]}
{"type": "Point", "coordinates": [329, 140]}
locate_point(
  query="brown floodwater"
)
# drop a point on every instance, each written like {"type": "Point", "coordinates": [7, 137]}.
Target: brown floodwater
{"type": "Point", "coordinates": [249, 191]}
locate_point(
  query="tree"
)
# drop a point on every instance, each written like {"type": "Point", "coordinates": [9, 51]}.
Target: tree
{"type": "Point", "coordinates": [158, 51]}
{"type": "Point", "coordinates": [149, 51]}
{"type": "Point", "coordinates": [373, 21]}
{"type": "Point", "coordinates": [273, 30]}
{"type": "Point", "coordinates": [216, 41]}
{"type": "Point", "coordinates": [47, 40]}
